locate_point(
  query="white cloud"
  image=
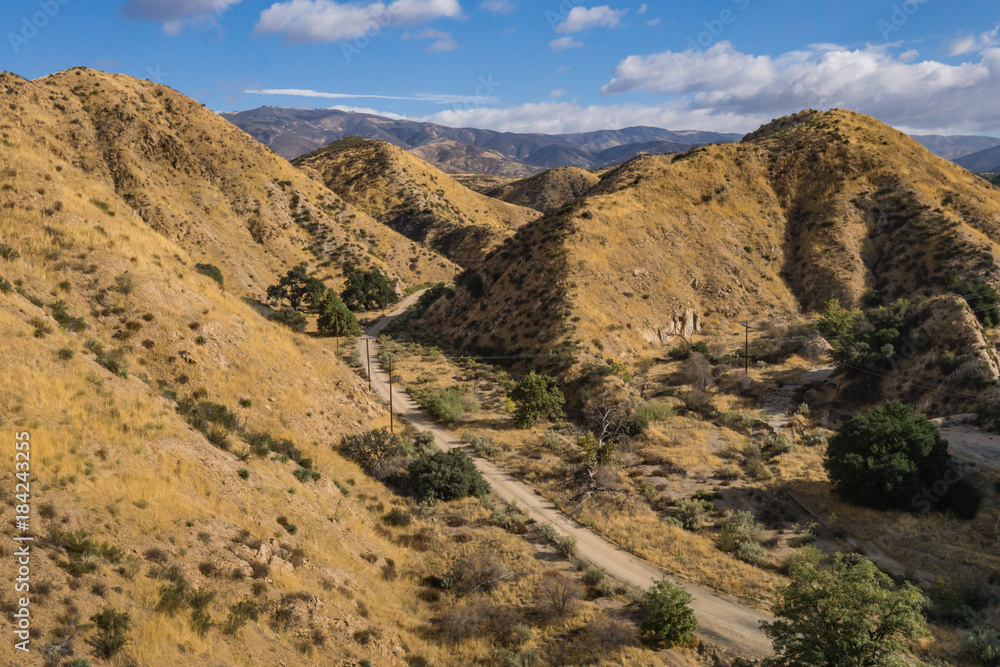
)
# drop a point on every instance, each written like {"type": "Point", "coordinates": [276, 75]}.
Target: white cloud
{"type": "Point", "coordinates": [175, 15]}
{"type": "Point", "coordinates": [566, 117]}
{"type": "Point", "coordinates": [581, 18]}
{"type": "Point", "coordinates": [724, 81]}
{"type": "Point", "coordinates": [499, 6]}
{"type": "Point", "coordinates": [369, 111]}
{"type": "Point", "coordinates": [437, 98]}
{"type": "Point", "coordinates": [644, 8]}
{"type": "Point", "coordinates": [328, 21]}
{"type": "Point", "coordinates": [558, 93]}
{"type": "Point", "coordinates": [443, 41]}
{"type": "Point", "coordinates": [564, 43]}
{"type": "Point", "coordinates": [964, 44]}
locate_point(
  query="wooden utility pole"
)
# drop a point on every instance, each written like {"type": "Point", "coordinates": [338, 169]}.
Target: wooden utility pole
{"type": "Point", "coordinates": [389, 358]}
{"type": "Point", "coordinates": [368, 356]}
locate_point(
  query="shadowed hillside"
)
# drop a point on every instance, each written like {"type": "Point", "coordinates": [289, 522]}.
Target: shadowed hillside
{"type": "Point", "coordinates": [810, 208]}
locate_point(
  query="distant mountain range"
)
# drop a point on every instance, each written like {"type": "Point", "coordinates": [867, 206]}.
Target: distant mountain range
{"type": "Point", "coordinates": [985, 161]}
{"type": "Point", "coordinates": [294, 132]}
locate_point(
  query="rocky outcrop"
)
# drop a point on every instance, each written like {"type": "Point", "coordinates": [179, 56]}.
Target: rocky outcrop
{"type": "Point", "coordinates": [683, 324]}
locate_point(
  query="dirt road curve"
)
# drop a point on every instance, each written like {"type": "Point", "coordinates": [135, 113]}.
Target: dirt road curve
{"type": "Point", "coordinates": [722, 622]}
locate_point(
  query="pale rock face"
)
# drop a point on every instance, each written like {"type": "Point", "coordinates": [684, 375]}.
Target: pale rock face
{"type": "Point", "coordinates": [263, 554]}
{"type": "Point", "coordinates": [683, 324]}
{"type": "Point", "coordinates": [281, 565]}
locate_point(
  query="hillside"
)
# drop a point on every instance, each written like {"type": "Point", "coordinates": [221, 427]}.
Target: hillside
{"type": "Point", "coordinates": [454, 157]}
{"type": "Point", "coordinates": [985, 161]}
{"type": "Point", "coordinates": [414, 198]}
{"type": "Point", "coordinates": [295, 132]}
{"type": "Point", "coordinates": [548, 191]}
{"type": "Point", "coordinates": [183, 461]}
{"type": "Point", "coordinates": [810, 208]}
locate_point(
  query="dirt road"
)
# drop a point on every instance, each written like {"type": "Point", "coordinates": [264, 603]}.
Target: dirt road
{"type": "Point", "coordinates": [722, 621]}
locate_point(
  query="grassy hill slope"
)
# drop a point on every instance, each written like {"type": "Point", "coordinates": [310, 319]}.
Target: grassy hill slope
{"type": "Point", "coordinates": [549, 191]}
{"type": "Point", "coordinates": [183, 460]}
{"type": "Point", "coordinates": [414, 198]}
{"type": "Point", "coordinates": [813, 207]}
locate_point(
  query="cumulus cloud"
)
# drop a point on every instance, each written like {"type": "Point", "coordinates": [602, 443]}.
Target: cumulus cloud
{"type": "Point", "coordinates": [581, 18]}
{"type": "Point", "coordinates": [499, 6]}
{"type": "Point", "coordinates": [437, 98]}
{"type": "Point", "coordinates": [970, 43]}
{"type": "Point", "coordinates": [896, 89]}
{"type": "Point", "coordinates": [175, 15]}
{"type": "Point", "coordinates": [327, 21]}
{"type": "Point", "coordinates": [564, 43]}
{"type": "Point", "coordinates": [566, 117]}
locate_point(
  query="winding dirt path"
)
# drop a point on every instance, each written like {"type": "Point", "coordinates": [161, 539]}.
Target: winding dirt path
{"type": "Point", "coordinates": [722, 621]}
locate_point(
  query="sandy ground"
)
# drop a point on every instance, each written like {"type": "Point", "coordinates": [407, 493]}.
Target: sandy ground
{"type": "Point", "coordinates": [722, 621]}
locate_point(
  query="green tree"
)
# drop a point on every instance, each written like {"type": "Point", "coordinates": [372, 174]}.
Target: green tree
{"type": "Point", "coordinates": [847, 615]}
{"type": "Point", "coordinates": [369, 290]}
{"type": "Point", "coordinates": [536, 396]}
{"type": "Point", "coordinates": [335, 318]}
{"type": "Point", "coordinates": [983, 300]}
{"type": "Point", "coordinates": [446, 476]}
{"type": "Point", "coordinates": [297, 286]}
{"type": "Point", "coordinates": [666, 613]}
{"type": "Point", "coordinates": [836, 320]}
{"type": "Point", "coordinates": [889, 456]}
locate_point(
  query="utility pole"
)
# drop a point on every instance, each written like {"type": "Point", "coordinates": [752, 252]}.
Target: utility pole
{"type": "Point", "coordinates": [389, 358]}
{"type": "Point", "coordinates": [368, 356]}
{"type": "Point", "coordinates": [746, 353]}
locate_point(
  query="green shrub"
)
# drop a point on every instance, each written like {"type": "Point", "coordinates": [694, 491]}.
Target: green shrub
{"type": "Point", "coordinates": [445, 405]}
{"type": "Point", "coordinates": [566, 546]}
{"type": "Point", "coordinates": [985, 647]}
{"type": "Point", "coordinates": [655, 411]}
{"type": "Point", "coordinates": [397, 518]}
{"type": "Point", "coordinates": [692, 513]}
{"type": "Point", "coordinates": [444, 476]}
{"type": "Point", "coordinates": [889, 457]}
{"type": "Point", "coordinates": [983, 300]}
{"type": "Point", "coordinates": [290, 318]}
{"type": "Point", "coordinates": [376, 451]}
{"type": "Point", "coordinates": [211, 271]}
{"type": "Point", "coordinates": [243, 473]}
{"type": "Point", "coordinates": [8, 253]}
{"type": "Point", "coordinates": [5, 286]}
{"type": "Point", "coordinates": [536, 396]}
{"type": "Point", "coordinates": [740, 529]}
{"type": "Point", "coordinates": [239, 614]}
{"type": "Point", "coordinates": [112, 632]}
{"type": "Point", "coordinates": [666, 613]}
{"type": "Point", "coordinates": [863, 340]}
{"type": "Point", "coordinates": [594, 576]}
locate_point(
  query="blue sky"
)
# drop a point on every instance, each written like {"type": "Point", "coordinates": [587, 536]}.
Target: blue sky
{"type": "Point", "coordinates": [541, 65]}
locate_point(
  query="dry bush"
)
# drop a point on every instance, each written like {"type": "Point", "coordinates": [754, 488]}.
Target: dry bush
{"type": "Point", "coordinates": [696, 371]}
{"type": "Point", "coordinates": [603, 636]}
{"type": "Point", "coordinates": [557, 596]}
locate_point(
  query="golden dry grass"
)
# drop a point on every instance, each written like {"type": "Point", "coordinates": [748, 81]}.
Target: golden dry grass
{"type": "Point", "coordinates": [413, 197]}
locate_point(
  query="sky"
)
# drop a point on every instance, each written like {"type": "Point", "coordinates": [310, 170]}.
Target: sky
{"type": "Point", "coordinates": [553, 66]}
